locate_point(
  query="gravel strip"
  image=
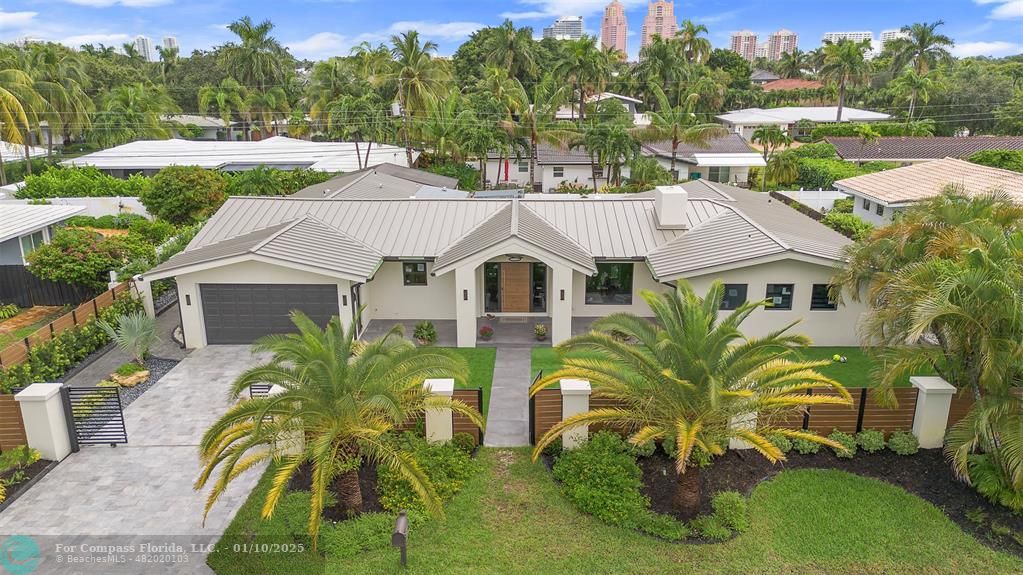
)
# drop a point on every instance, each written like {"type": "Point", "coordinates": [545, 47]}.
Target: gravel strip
{"type": "Point", "coordinates": [158, 367]}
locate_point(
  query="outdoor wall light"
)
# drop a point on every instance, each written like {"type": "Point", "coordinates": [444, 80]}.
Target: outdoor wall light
{"type": "Point", "coordinates": [515, 258]}
{"type": "Point", "coordinates": [188, 299]}
{"type": "Point", "coordinates": [562, 295]}
{"type": "Point", "coordinates": [465, 295]}
{"type": "Point", "coordinates": [344, 301]}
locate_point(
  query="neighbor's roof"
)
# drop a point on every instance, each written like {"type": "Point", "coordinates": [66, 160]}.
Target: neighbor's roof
{"type": "Point", "coordinates": [380, 183]}
{"type": "Point", "coordinates": [419, 176]}
{"type": "Point", "coordinates": [201, 121]}
{"type": "Point", "coordinates": [280, 151]}
{"type": "Point", "coordinates": [305, 241]}
{"type": "Point", "coordinates": [926, 180]}
{"type": "Point", "coordinates": [731, 146]}
{"type": "Point", "coordinates": [791, 84]}
{"type": "Point", "coordinates": [21, 219]}
{"type": "Point", "coordinates": [793, 114]}
{"type": "Point", "coordinates": [763, 76]}
{"type": "Point", "coordinates": [14, 152]}
{"type": "Point", "coordinates": [920, 148]}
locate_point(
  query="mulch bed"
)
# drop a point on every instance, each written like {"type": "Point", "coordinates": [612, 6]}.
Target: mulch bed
{"type": "Point", "coordinates": [926, 475]}
{"type": "Point", "coordinates": [302, 481]}
{"type": "Point", "coordinates": [14, 490]}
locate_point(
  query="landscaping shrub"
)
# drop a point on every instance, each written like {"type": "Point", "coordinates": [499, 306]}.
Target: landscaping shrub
{"type": "Point", "coordinates": [77, 256]}
{"type": "Point", "coordinates": [990, 482]}
{"type": "Point", "coordinates": [850, 129]}
{"type": "Point", "coordinates": [153, 231]}
{"type": "Point", "coordinates": [847, 441]}
{"type": "Point", "coordinates": [903, 443]}
{"type": "Point", "coordinates": [366, 532]}
{"type": "Point", "coordinates": [464, 441]}
{"type": "Point", "coordinates": [645, 450]}
{"type": "Point", "coordinates": [784, 444]}
{"type": "Point", "coordinates": [819, 150]}
{"type": "Point", "coordinates": [8, 310]}
{"type": "Point", "coordinates": [877, 166]}
{"type": "Point", "coordinates": [107, 222]}
{"type": "Point", "coordinates": [663, 526]}
{"type": "Point", "coordinates": [843, 206]}
{"type": "Point", "coordinates": [710, 527]}
{"type": "Point", "coordinates": [447, 466]}
{"type": "Point", "coordinates": [849, 225]}
{"type": "Point", "coordinates": [554, 448]}
{"type": "Point", "coordinates": [468, 176]}
{"type": "Point", "coordinates": [805, 446]}
{"type": "Point", "coordinates": [731, 509]}
{"type": "Point", "coordinates": [84, 182]}
{"type": "Point", "coordinates": [130, 368]}
{"type": "Point", "coordinates": [1005, 159]}
{"type": "Point", "coordinates": [184, 195]}
{"type": "Point", "coordinates": [264, 181]}
{"type": "Point", "coordinates": [821, 173]}
{"type": "Point", "coordinates": [425, 333]}
{"type": "Point", "coordinates": [870, 440]}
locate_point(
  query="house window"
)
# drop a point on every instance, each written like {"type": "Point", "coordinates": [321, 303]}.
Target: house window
{"type": "Point", "coordinates": [523, 167]}
{"type": "Point", "coordinates": [866, 204]}
{"type": "Point", "coordinates": [735, 296]}
{"type": "Point", "coordinates": [718, 174]}
{"type": "Point", "coordinates": [612, 285]}
{"type": "Point", "coordinates": [820, 298]}
{"type": "Point", "coordinates": [695, 175]}
{"type": "Point", "coordinates": [779, 296]}
{"type": "Point", "coordinates": [879, 210]}
{"type": "Point", "coordinates": [414, 273]}
{"type": "Point", "coordinates": [598, 172]}
{"type": "Point", "coordinates": [559, 171]}
{"type": "Point", "coordinates": [31, 242]}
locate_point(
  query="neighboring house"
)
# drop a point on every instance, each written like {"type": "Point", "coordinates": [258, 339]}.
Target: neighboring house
{"type": "Point", "coordinates": [16, 152]}
{"type": "Point", "coordinates": [571, 111]}
{"type": "Point", "coordinates": [386, 181]}
{"type": "Point", "coordinates": [553, 166]}
{"type": "Point", "coordinates": [761, 77]}
{"type": "Point", "coordinates": [726, 159]}
{"type": "Point", "coordinates": [791, 84]}
{"type": "Point", "coordinates": [746, 121]}
{"type": "Point", "coordinates": [563, 260]}
{"type": "Point", "coordinates": [912, 150]}
{"type": "Point", "coordinates": [880, 195]}
{"type": "Point", "coordinates": [212, 128]}
{"type": "Point", "coordinates": [23, 228]}
{"type": "Point", "coordinates": [149, 156]}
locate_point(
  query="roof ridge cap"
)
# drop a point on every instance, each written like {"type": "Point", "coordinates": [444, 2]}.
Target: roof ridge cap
{"type": "Point", "coordinates": [276, 234]}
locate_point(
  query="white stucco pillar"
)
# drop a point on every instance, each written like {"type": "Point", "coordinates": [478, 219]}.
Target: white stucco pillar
{"type": "Point", "coordinates": [439, 427]}
{"type": "Point", "coordinates": [42, 411]}
{"type": "Point", "coordinates": [575, 399]}
{"type": "Point", "coordinates": [291, 442]}
{"type": "Point", "coordinates": [747, 421]}
{"type": "Point", "coordinates": [561, 304]}
{"type": "Point", "coordinates": [465, 305]}
{"type": "Point", "coordinates": [145, 292]}
{"type": "Point", "coordinates": [932, 404]}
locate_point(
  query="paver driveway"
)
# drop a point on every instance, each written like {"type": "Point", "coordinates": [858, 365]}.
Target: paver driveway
{"type": "Point", "coordinates": [142, 491]}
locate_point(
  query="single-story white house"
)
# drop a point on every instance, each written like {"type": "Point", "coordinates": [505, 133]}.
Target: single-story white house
{"type": "Point", "coordinates": [213, 128]}
{"type": "Point", "coordinates": [553, 166]}
{"type": "Point", "coordinates": [23, 228]}
{"type": "Point", "coordinates": [880, 195]}
{"type": "Point", "coordinates": [726, 159]}
{"type": "Point", "coordinates": [906, 150]}
{"type": "Point", "coordinates": [149, 156]}
{"type": "Point", "coordinates": [562, 262]}
{"type": "Point", "coordinates": [746, 121]}
{"type": "Point", "coordinates": [571, 111]}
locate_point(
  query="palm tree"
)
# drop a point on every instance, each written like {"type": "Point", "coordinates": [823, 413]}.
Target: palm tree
{"type": "Point", "coordinates": [845, 65]}
{"type": "Point", "coordinates": [591, 139]}
{"type": "Point", "coordinates": [478, 139]}
{"type": "Point", "coordinates": [132, 112]}
{"type": "Point", "coordinates": [911, 87]}
{"type": "Point", "coordinates": [442, 124]}
{"type": "Point", "coordinates": [59, 77]}
{"type": "Point", "coordinates": [351, 118]}
{"type": "Point", "coordinates": [343, 397]}
{"type": "Point", "coordinates": [329, 80]}
{"type": "Point", "coordinates": [661, 63]}
{"type": "Point", "coordinates": [690, 375]}
{"type": "Point", "coordinates": [511, 49]}
{"type": "Point", "coordinates": [696, 48]}
{"type": "Point", "coordinates": [792, 63]}
{"type": "Point", "coordinates": [617, 147]}
{"type": "Point", "coordinates": [680, 124]}
{"type": "Point", "coordinates": [419, 77]}
{"type": "Point", "coordinates": [770, 138]}
{"type": "Point", "coordinates": [15, 109]}
{"type": "Point", "coordinates": [258, 61]}
{"type": "Point", "coordinates": [228, 98]}
{"type": "Point", "coordinates": [645, 173]}
{"type": "Point", "coordinates": [268, 107]}
{"type": "Point", "coordinates": [168, 60]}
{"type": "Point", "coordinates": [584, 65]}
{"type": "Point", "coordinates": [924, 48]}
{"type": "Point", "coordinates": [783, 168]}
{"type": "Point", "coordinates": [535, 119]}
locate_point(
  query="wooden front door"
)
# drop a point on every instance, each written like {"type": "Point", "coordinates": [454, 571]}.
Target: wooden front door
{"type": "Point", "coordinates": [515, 292]}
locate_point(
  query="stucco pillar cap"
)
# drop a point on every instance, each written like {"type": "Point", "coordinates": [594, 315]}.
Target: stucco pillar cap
{"type": "Point", "coordinates": [444, 386]}
{"type": "Point", "coordinates": [575, 387]}
{"type": "Point", "coordinates": [38, 392]}
{"type": "Point", "coordinates": [932, 384]}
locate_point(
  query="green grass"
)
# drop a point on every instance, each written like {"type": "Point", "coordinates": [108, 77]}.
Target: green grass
{"type": "Point", "coordinates": [7, 338]}
{"type": "Point", "coordinates": [481, 369]}
{"type": "Point", "coordinates": [856, 372]}
{"type": "Point", "coordinates": [511, 519]}
{"type": "Point", "coordinates": [544, 358]}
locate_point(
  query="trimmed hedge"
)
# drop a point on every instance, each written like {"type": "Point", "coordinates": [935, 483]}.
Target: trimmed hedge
{"type": "Point", "coordinates": [850, 129]}
{"type": "Point", "coordinates": [849, 225]}
{"type": "Point", "coordinates": [83, 182]}
{"type": "Point", "coordinates": [822, 173]}
{"type": "Point", "coordinates": [1005, 159]}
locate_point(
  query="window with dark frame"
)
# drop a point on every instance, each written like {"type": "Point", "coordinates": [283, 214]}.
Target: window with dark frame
{"type": "Point", "coordinates": [735, 296]}
{"type": "Point", "coordinates": [523, 166]}
{"type": "Point", "coordinates": [612, 284]}
{"type": "Point", "coordinates": [866, 204]}
{"type": "Point", "coordinates": [879, 210]}
{"type": "Point", "coordinates": [559, 171]}
{"type": "Point", "coordinates": [820, 298]}
{"type": "Point", "coordinates": [414, 273]}
{"type": "Point", "coordinates": [779, 296]}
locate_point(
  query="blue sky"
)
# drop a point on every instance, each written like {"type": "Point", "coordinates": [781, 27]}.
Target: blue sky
{"type": "Point", "coordinates": [321, 28]}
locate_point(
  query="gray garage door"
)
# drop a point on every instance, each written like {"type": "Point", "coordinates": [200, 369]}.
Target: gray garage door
{"type": "Point", "coordinates": [241, 313]}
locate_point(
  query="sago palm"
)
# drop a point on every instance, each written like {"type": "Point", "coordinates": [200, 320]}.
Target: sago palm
{"type": "Point", "coordinates": [340, 399]}
{"type": "Point", "coordinates": [692, 381]}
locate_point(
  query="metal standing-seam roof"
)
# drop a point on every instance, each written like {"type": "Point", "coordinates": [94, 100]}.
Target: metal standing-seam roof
{"type": "Point", "coordinates": [382, 182]}
{"type": "Point", "coordinates": [418, 176]}
{"type": "Point", "coordinates": [305, 241]}
{"type": "Point", "coordinates": [22, 219]}
{"type": "Point", "coordinates": [925, 180]}
{"type": "Point", "coordinates": [725, 239]}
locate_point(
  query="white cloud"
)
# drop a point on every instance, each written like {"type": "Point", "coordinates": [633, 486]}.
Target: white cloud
{"type": "Point", "coordinates": [553, 8]}
{"type": "Point", "coordinates": [996, 48]}
{"type": "Point", "coordinates": [125, 3]}
{"type": "Point", "coordinates": [321, 45]}
{"type": "Point", "coordinates": [442, 30]}
{"type": "Point", "coordinates": [1004, 9]}
{"type": "Point", "coordinates": [326, 44]}
{"type": "Point", "coordinates": [105, 39]}
{"type": "Point", "coordinates": [16, 19]}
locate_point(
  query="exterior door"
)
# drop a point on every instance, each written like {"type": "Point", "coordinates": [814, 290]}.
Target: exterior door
{"type": "Point", "coordinates": [242, 313]}
{"type": "Point", "coordinates": [516, 289]}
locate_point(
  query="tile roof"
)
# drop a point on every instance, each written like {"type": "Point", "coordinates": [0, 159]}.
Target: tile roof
{"type": "Point", "coordinates": [926, 180]}
{"type": "Point", "coordinates": [21, 219]}
{"type": "Point", "coordinates": [729, 144]}
{"type": "Point", "coordinates": [791, 84]}
{"type": "Point", "coordinates": [921, 148]}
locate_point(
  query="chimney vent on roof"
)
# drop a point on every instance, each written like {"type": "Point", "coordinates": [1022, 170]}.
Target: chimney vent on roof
{"type": "Point", "coordinates": [670, 205]}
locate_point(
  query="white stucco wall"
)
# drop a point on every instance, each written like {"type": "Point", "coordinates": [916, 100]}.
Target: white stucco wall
{"type": "Point", "coordinates": [387, 297]}
{"type": "Point", "coordinates": [495, 172]}
{"type": "Point", "coordinates": [686, 171]}
{"type": "Point", "coordinates": [870, 214]}
{"type": "Point", "coordinates": [245, 273]}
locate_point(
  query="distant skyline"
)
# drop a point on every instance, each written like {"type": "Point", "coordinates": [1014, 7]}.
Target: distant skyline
{"type": "Point", "coordinates": [317, 29]}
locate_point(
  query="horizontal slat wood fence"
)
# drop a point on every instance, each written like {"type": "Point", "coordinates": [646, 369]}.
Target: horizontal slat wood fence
{"type": "Point", "coordinates": [12, 428]}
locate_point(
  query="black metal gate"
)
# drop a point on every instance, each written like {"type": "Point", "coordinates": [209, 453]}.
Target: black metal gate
{"type": "Point", "coordinates": [95, 416]}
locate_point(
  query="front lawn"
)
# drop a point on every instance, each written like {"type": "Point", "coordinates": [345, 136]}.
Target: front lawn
{"type": "Point", "coordinates": [511, 518]}
{"type": "Point", "coordinates": [481, 369]}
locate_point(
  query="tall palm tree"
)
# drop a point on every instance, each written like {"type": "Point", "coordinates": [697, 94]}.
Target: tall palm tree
{"type": "Point", "coordinates": [585, 66]}
{"type": "Point", "coordinates": [229, 98]}
{"type": "Point", "coordinates": [783, 168]}
{"type": "Point", "coordinates": [696, 48]}
{"type": "Point", "coordinates": [680, 124]}
{"type": "Point", "coordinates": [343, 397]}
{"type": "Point", "coordinates": [845, 65]}
{"type": "Point", "coordinates": [329, 80]}
{"type": "Point", "coordinates": [911, 87]}
{"type": "Point", "coordinates": [258, 60]}
{"type": "Point", "coordinates": [16, 109]}
{"type": "Point", "coordinates": [690, 375]}
{"type": "Point", "coordinates": [924, 48]}
{"type": "Point", "coordinates": [792, 63]}
{"type": "Point", "coordinates": [770, 138]}
{"type": "Point", "coordinates": [442, 125]}
{"type": "Point", "coordinates": [661, 63]}
{"type": "Point", "coordinates": [168, 60]}
{"type": "Point", "coordinates": [268, 107]}
{"type": "Point", "coordinates": [478, 139]}
{"type": "Point", "coordinates": [132, 112]}
{"type": "Point", "coordinates": [350, 118]}
{"type": "Point", "coordinates": [60, 78]}
{"type": "Point", "coordinates": [535, 119]}
{"type": "Point", "coordinates": [418, 76]}
{"type": "Point", "coordinates": [511, 49]}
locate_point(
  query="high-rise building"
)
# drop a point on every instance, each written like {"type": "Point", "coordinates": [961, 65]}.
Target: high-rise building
{"type": "Point", "coordinates": [781, 42]}
{"type": "Point", "coordinates": [659, 21]}
{"type": "Point", "coordinates": [565, 28]}
{"type": "Point", "coordinates": [144, 46]}
{"type": "Point", "coordinates": [744, 43]}
{"type": "Point", "coordinates": [835, 37]}
{"type": "Point", "coordinates": [889, 35]}
{"type": "Point", "coordinates": [170, 42]}
{"type": "Point", "coordinates": [614, 29]}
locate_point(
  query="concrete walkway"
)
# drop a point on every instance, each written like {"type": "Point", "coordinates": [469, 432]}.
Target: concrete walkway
{"type": "Point", "coordinates": [508, 416]}
{"type": "Point", "coordinates": [141, 492]}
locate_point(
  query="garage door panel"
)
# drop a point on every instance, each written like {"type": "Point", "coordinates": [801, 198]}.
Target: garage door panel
{"type": "Point", "coordinates": [241, 313]}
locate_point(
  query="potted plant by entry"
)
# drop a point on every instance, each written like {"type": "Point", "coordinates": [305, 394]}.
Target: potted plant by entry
{"type": "Point", "coordinates": [486, 332]}
{"type": "Point", "coordinates": [425, 333]}
{"type": "Point", "coordinates": [540, 330]}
